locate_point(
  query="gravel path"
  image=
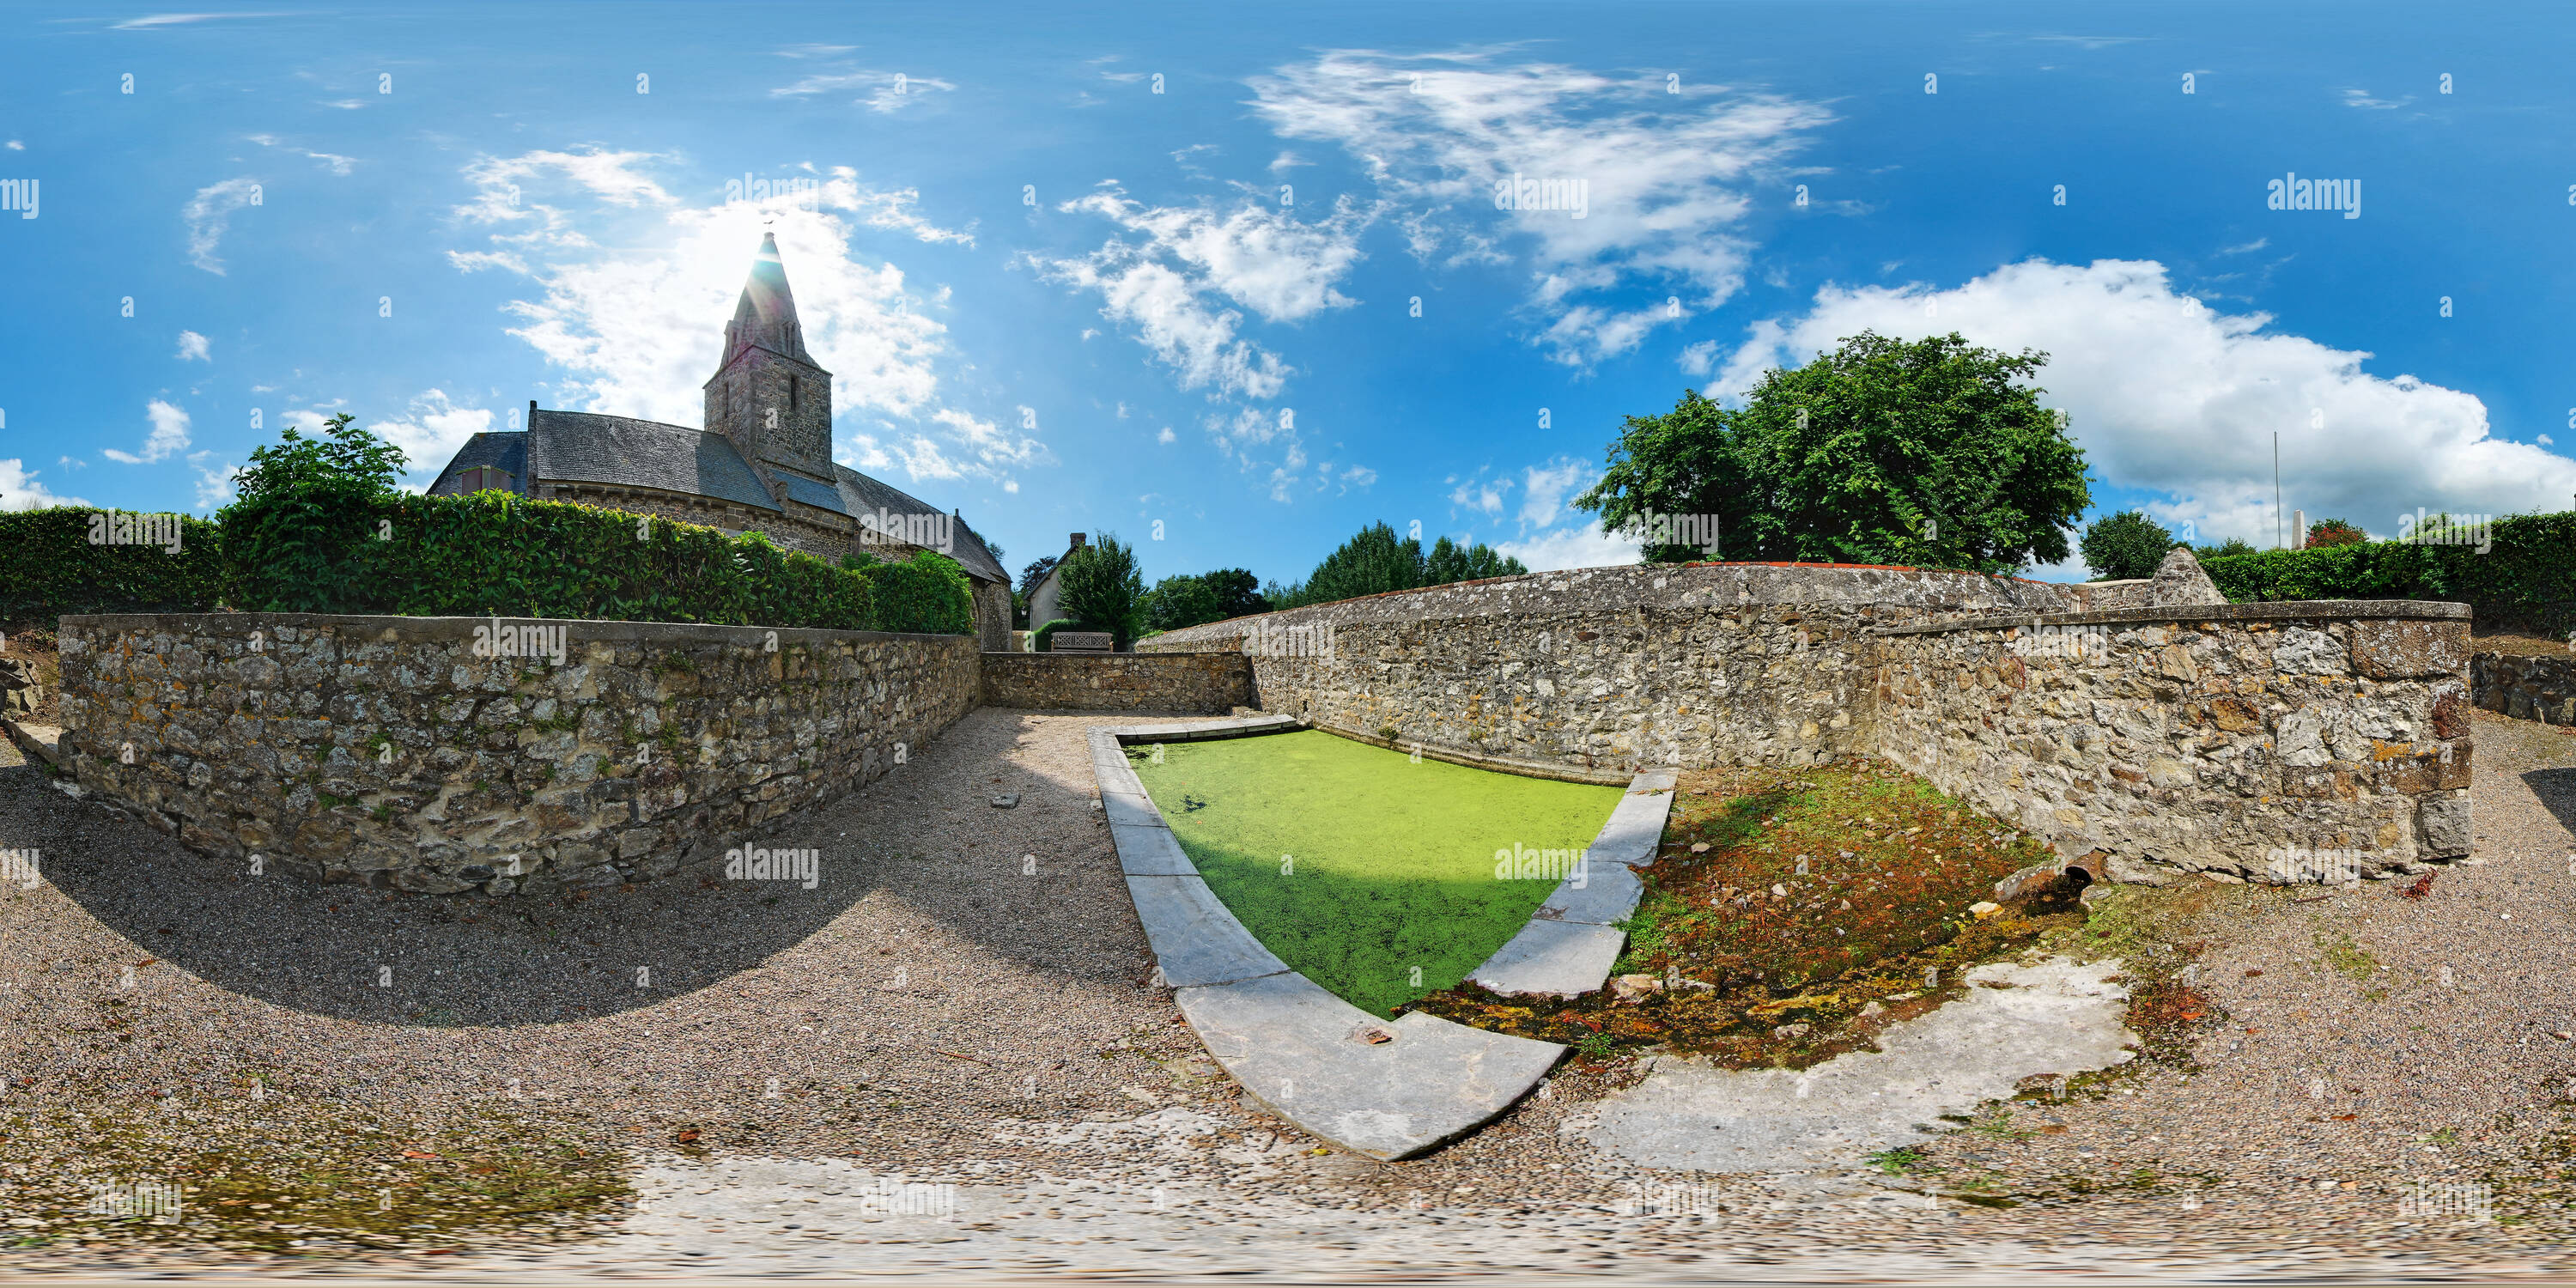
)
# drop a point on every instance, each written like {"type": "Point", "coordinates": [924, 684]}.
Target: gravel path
{"type": "Point", "coordinates": [937, 1009]}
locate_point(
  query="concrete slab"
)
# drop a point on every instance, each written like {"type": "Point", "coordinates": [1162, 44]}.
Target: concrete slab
{"type": "Point", "coordinates": [1151, 852]}
{"type": "Point", "coordinates": [1602, 894]}
{"type": "Point", "coordinates": [1385, 1089]}
{"type": "Point", "coordinates": [1636, 827]}
{"type": "Point", "coordinates": [1196, 938]}
{"type": "Point", "coordinates": [1559, 957]}
{"type": "Point", "coordinates": [2014, 1022]}
{"type": "Point", "coordinates": [1129, 809]}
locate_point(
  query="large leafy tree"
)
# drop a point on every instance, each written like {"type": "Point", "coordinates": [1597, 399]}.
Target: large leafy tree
{"type": "Point", "coordinates": [2125, 546]}
{"type": "Point", "coordinates": [1930, 452]}
{"type": "Point", "coordinates": [1179, 601]}
{"type": "Point", "coordinates": [1237, 593]}
{"type": "Point", "coordinates": [1101, 588]}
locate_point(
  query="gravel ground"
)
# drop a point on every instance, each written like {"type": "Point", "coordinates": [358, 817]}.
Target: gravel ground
{"type": "Point", "coordinates": [936, 1009]}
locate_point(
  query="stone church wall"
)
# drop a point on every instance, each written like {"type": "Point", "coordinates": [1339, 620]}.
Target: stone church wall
{"type": "Point", "coordinates": [385, 750]}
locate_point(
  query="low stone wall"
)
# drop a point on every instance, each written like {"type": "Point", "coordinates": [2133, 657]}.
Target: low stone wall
{"type": "Point", "coordinates": [2526, 688]}
{"type": "Point", "coordinates": [2197, 734]}
{"type": "Point", "coordinates": [1172, 683]}
{"type": "Point", "coordinates": [2269, 741]}
{"type": "Point", "coordinates": [389, 750]}
{"type": "Point", "coordinates": [1604, 669]}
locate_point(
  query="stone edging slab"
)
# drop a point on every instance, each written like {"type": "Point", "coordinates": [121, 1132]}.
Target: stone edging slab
{"type": "Point", "coordinates": [1387, 1089]}
{"type": "Point", "coordinates": [2279, 611]}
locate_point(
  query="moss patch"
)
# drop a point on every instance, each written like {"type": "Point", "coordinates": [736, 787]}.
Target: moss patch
{"type": "Point", "coordinates": [1791, 915]}
{"type": "Point", "coordinates": [1371, 873]}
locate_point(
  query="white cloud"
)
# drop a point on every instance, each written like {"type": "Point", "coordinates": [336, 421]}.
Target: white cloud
{"type": "Point", "coordinates": [1664, 174]}
{"type": "Point", "coordinates": [1699, 359]}
{"type": "Point", "coordinates": [182, 19]}
{"type": "Point", "coordinates": [1579, 546]}
{"type": "Point", "coordinates": [333, 161]}
{"type": "Point", "coordinates": [169, 436]}
{"type": "Point", "coordinates": [1544, 489]}
{"type": "Point", "coordinates": [1481, 494]}
{"type": "Point", "coordinates": [19, 489]}
{"type": "Point", "coordinates": [431, 429]}
{"type": "Point", "coordinates": [193, 347]}
{"type": "Point", "coordinates": [1185, 263]}
{"type": "Point", "coordinates": [208, 214]}
{"type": "Point", "coordinates": [2168, 395]}
{"type": "Point", "coordinates": [887, 92]}
{"type": "Point", "coordinates": [215, 488]}
{"type": "Point", "coordinates": [16, 146]}
{"type": "Point", "coordinates": [1166, 436]}
{"type": "Point", "coordinates": [2361, 98]}
{"type": "Point", "coordinates": [640, 330]}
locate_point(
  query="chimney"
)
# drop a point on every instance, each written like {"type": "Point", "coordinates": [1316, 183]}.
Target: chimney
{"type": "Point", "coordinates": [532, 413]}
{"type": "Point", "coordinates": [1077, 541]}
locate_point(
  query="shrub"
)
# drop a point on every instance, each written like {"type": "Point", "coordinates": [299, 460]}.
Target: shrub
{"type": "Point", "coordinates": [2526, 578]}
{"type": "Point", "coordinates": [49, 567]}
{"type": "Point", "coordinates": [927, 594]}
{"type": "Point", "coordinates": [2334, 532]}
{"type": "Point", "coordinates": [2124, 546]}
{"type": "Point", "coordinates": [1045, 637]}
{"type": "Point", "coordinates": [494, 554]}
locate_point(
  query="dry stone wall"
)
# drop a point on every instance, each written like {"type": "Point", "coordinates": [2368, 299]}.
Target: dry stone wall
{"type": "Point", "coordinates": [2526, 688]}
{"type": "Point", "coordinates": [394, 751]}
{"type": "Point", "coordinates": [1172, 683]}
{"type": "Point", "coordinates": [2281, 742]}
{"type": "Point", "coordinates": [2267, 741]}
{"type": "Point", "coordinates": [1604, 669]}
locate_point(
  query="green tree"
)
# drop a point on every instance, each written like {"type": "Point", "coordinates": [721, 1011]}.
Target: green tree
{"type": "Point", "coordinates": [2225, 549]}
{"type": "Point", "coordinates": [1376, 561]}
{"type": "Point", "coordinates": [304, 518]}
{"type": "Point", "coordinates": [2334, 532]}
{"type": "Point", "coordinates": [1179, 601]}
{"type": "Point", "coordinates": [1237, 591]}
{"type": "Point", "coordinates": [1100, 586]}
{"type": "Point", "coordinates": [1930, 452]}
{"type": "Point", "coordinates": [2125, 546]}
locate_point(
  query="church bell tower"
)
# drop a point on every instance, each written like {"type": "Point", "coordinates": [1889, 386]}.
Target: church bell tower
{"type": "Point", "coordinates": [767, 395]}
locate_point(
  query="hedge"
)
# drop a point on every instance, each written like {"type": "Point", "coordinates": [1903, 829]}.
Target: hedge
{"type": "Point", "coordinates": [1044, 637]}
{"type": "Point", "coordinates": [2526, 579]}
{"type": "Point", "coordinates": [49, 567]}
{"type": "Point", "coordinates": [928, 593]}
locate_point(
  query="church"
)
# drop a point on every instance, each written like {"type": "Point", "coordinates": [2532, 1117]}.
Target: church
{"type": "Point", "coordinates": [764, 460]}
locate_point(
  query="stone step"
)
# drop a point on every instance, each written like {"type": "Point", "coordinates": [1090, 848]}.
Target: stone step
{"type": "Point", "coordinates": [40, 742]}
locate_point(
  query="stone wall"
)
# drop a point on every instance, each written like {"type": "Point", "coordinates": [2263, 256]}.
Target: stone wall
{"type": "Point", "coordinates": [1171, 684]}
{"type": "Point", "coordinates": [2526, 688]}
{"type": "Point", "coordinates": [2267, 741]}
{"type": "Point", "coordinates": [1616, 669]}
{"type": "Point", "coordinates": [1604, 669]}
{"type": "Point", "coordinates": [385, 750]}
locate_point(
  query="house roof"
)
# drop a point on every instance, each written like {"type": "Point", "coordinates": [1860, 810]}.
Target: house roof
{"type": "Point", "coordinates": [583, 447]}
{"type": "Point", "coordinates": [505, 450]}
{"type": "Point", "coordinates": [866, 496]}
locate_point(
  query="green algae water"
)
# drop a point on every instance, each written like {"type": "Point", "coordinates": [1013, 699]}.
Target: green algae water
{"type": "Point", "coordinates": [1369, 872]}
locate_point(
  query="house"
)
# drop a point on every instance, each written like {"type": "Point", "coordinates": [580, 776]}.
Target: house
{"type": "Point", "coordinates": [1046, 599]}
{"type": "Point", "coordinates": [763, 462]}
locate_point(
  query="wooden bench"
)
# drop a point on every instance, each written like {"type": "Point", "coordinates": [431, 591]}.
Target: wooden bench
{"type": "Point", "coordinates": [1081, 642]}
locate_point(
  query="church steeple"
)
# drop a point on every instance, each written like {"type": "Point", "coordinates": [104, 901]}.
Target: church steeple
{"type": "Point", "coordinates": [768, 395]}
{"type": "Point", "coordinates": [766, 315]}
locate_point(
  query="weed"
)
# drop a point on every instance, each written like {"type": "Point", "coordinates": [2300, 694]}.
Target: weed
{"type": "Point", "coordinates": [2346, 957]}
{"type": "Point", "coordinates": [1900, 1161]}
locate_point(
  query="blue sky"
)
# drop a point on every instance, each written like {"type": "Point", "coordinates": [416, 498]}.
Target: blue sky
{"type": "Point", "coordinates": [1059, 300]}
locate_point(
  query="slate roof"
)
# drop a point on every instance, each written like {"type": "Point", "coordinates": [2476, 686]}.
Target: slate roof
{"type": "Point", "coordinates": [809, 492]}
{"type": "Point", "coordinates": [583, 447]}
{"type": "Point", "coordinates": [506, 450]}
{"type": "Point", "coordinates": [866, 496]}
